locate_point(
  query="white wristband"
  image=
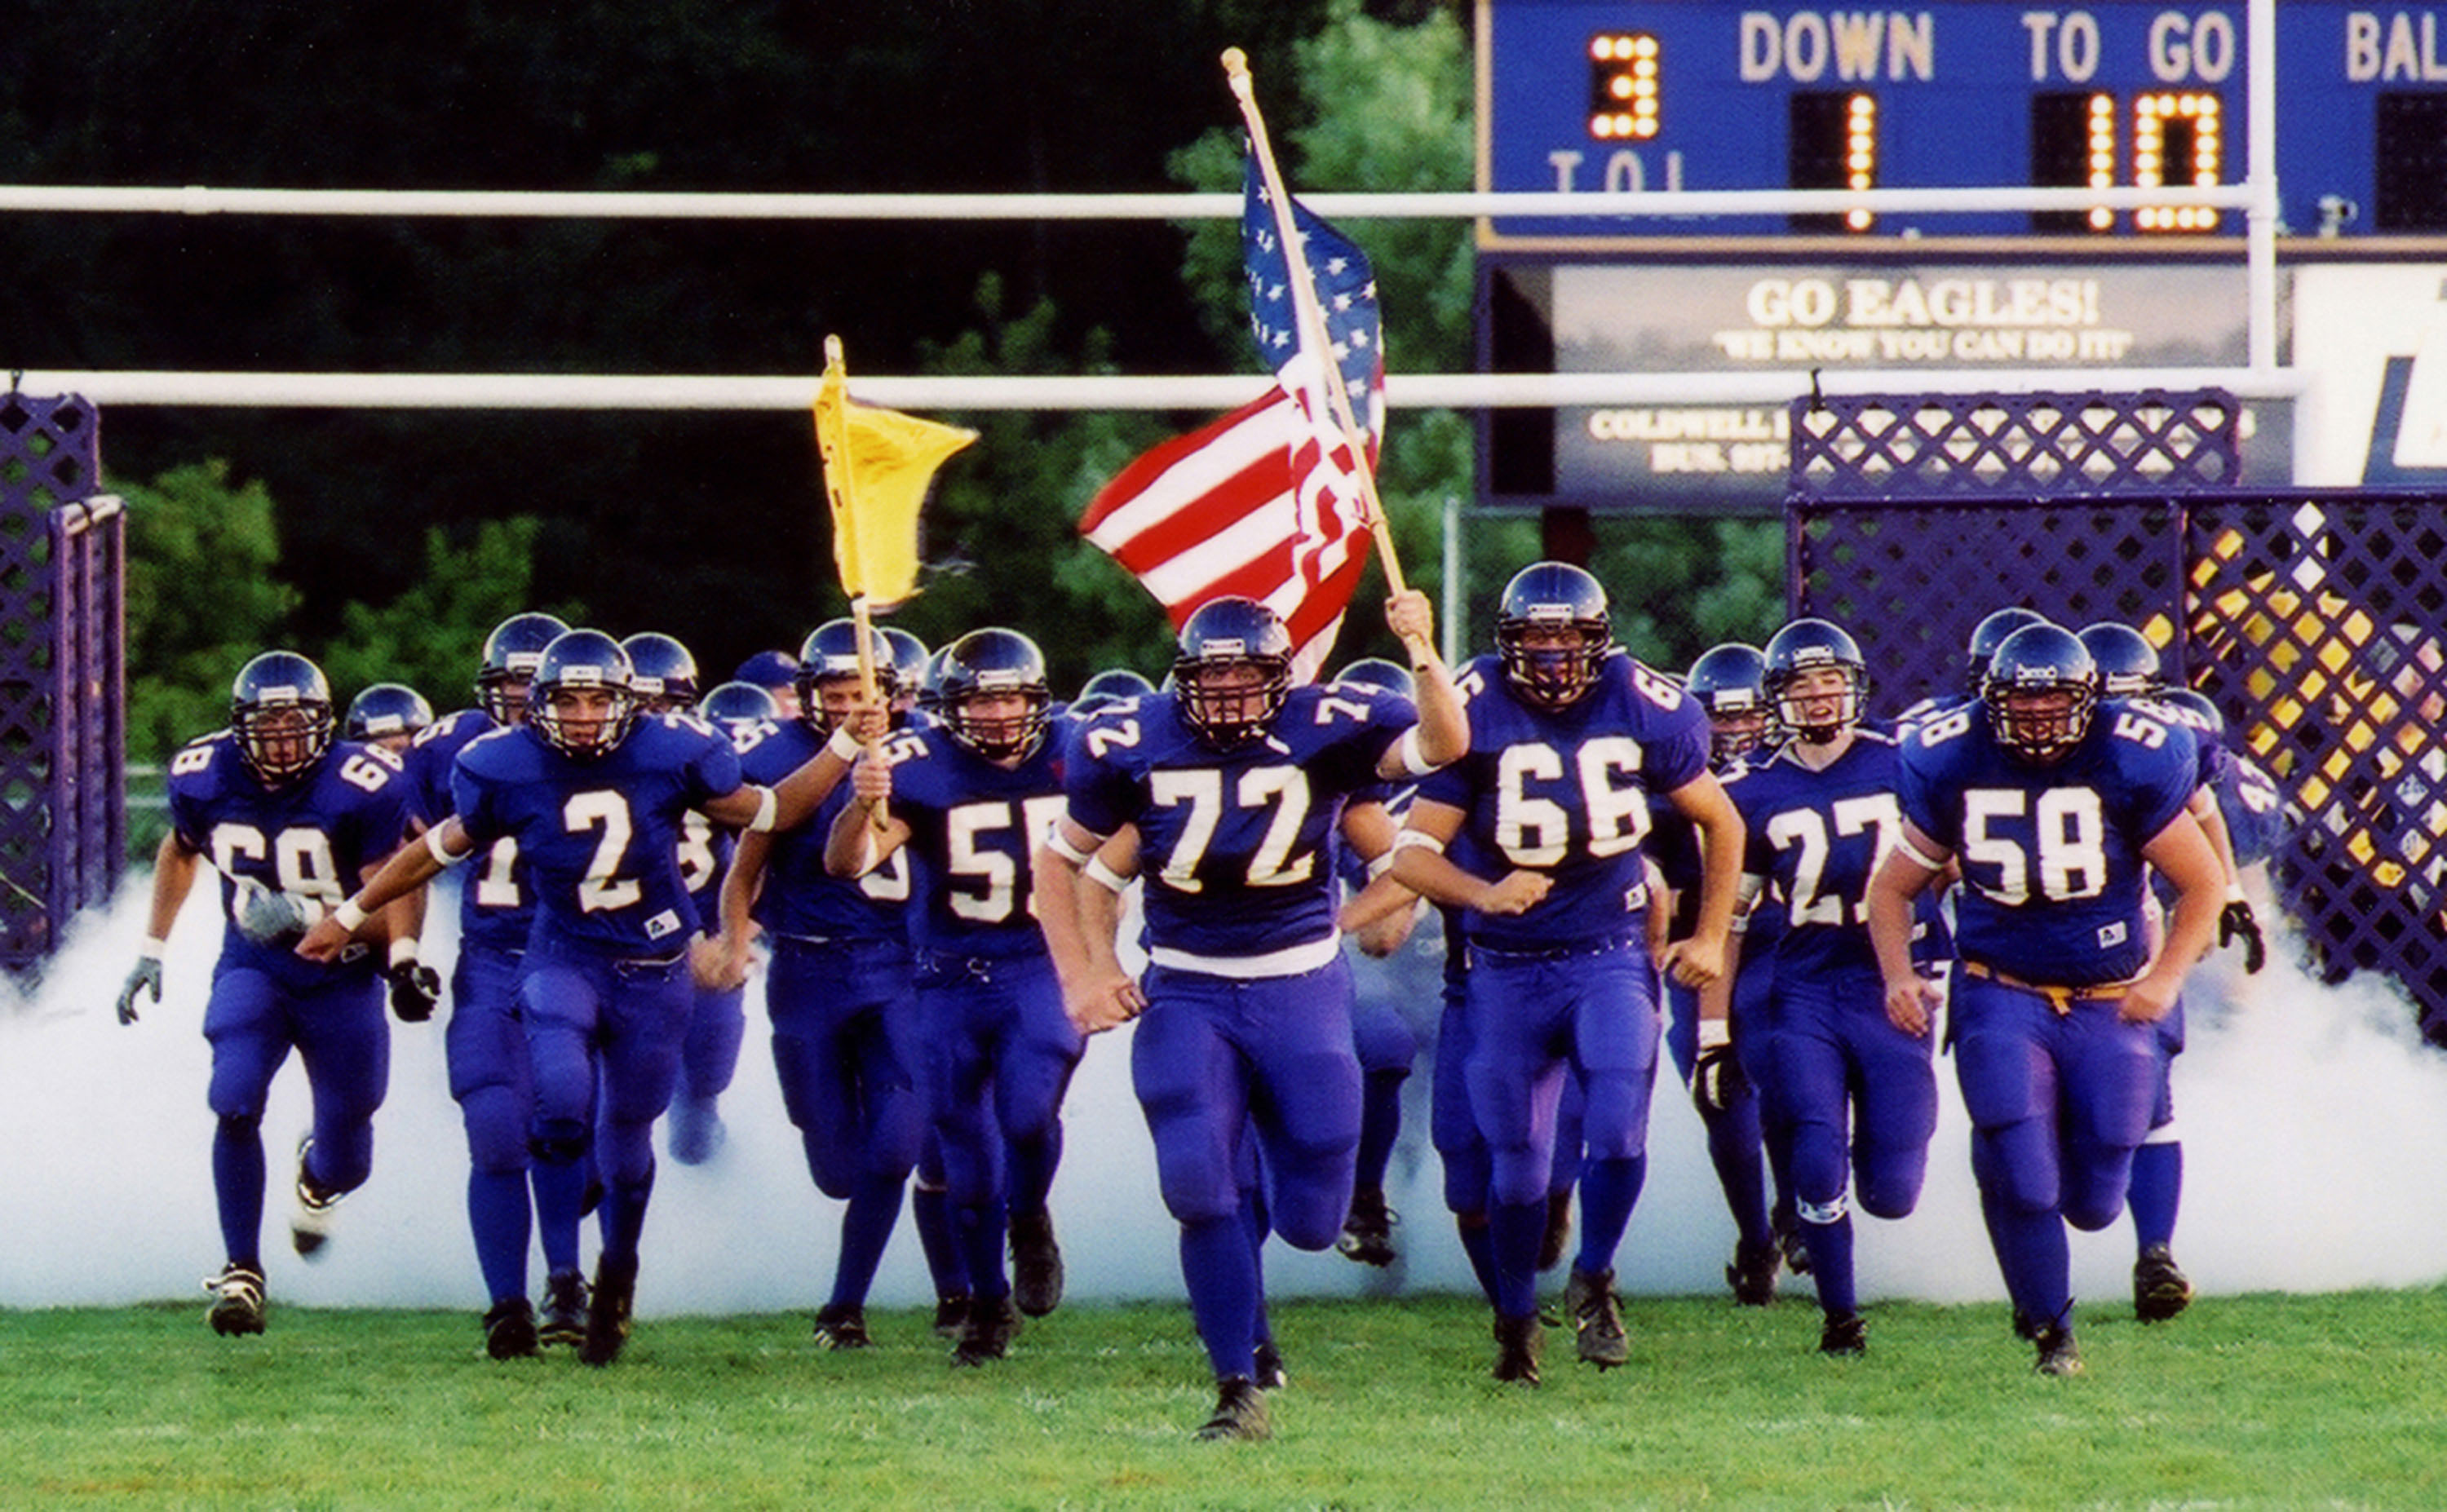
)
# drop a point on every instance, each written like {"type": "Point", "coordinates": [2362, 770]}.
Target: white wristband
{"type": "Point", "coordinates": [403, 952]}
{"type": "Point", "coordinates": [1105, 876]}
{"type": "Point", "coordinates": [153, 948]}
{"type": "Point", "coordinates": [441, 853]}
{"type": "Point", "coordinates": [349, 915]}
{"type": "Point", "coordinates": [2234, 893]}
{"type": "Point", "coordinates": [844, 745]}
{"type": "Point", "coordinates": [1381, 864]}
{"type": "Point", "coordinates": [767, 809]}
{"type": "Point", "coordinates": [1409, 838]}
{"type": "Point", "coordinates": [1061, 846]}
{"type": "Point", "coordinates": [1412, 762]}
{"type": "Point", "coordinates": [1713, 1033]}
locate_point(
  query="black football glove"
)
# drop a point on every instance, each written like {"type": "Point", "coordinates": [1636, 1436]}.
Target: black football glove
{"type": "Point", "coordinates": [1716, 1079]}
{"type": "Point", "coordinates": [2237, 921]}
{"type": "Point", "coordinates": [147, 977]}
{"type": "Point", "coordinates": [414, 989]}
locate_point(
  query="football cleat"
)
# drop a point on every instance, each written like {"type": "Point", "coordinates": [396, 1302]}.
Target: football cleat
{"type": "Point", "coordinates": [309, 1227]}
{"type": "Point", "coordinates": [1752, 1273]}
{"type": "Point", "coordinates": [1367, 1232]}
{"type": "Point", "coordinates": [238, 1299]}
{"type": "Point", "coordinates": [1271, 1376]}
{"type": "Point", "coordinates": [510, 1329]}
{"type": "Point", "coordinates": [1845, 1335]}
{"type": "Point", "coordinates": [2159, 1290]}
{"type": "Point", "coordinates": [1596, 1317]}
{"type": "Point", "coordinates": [2059, 1354]}
{"type": "Point", "coordinates": [950, 1315]}
{"type": "Point", "coordinates": [1518, 1343]}
{"type": "Point", "coordinates": [987, 1333]}
{"type": "Point", "coordinates": [2024, 1329]}
{"type": "Point", "coordinates": [841, 1328]}
{"type": "Point", "coordinates": [1558, 1236]}
{"type": "Point", "coordinates": [696, 1130]}
{"type": "Point", "coordinates": [1239, 1414]}
{"type": "Point", "coordinates": [564, 1309]}
{"type": "Point", "coordinates": [1035, 1264]}
{"type": "Point", "coordinates": [607, 1311]}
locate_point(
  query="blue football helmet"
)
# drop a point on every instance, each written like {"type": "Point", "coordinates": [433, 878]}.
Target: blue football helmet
{"type": "Point", "coordinates": [511, 652]}
{"type": "Point", "coordinates": [909, 657]}
{"type": "Point", "coordinates": [930, 683]}
{"type": "Point", "coordinates": [580, 660]}
{"type": "Point", "coordinates": [661, 671]}
{"type": "Point", "coordinates": [1385, 677]}
{"type": "Point", "coordinates": [1807, 645]}
{"type": "Point", "coordinates": [830, 651]}
{"type": "Point", "coordinates": [1989, 634]}
{"type": "Point", "coordinates": [1114, 685]}
{"type": "Point", "coordinates": [1544, 595]}
{"type": "Point", "coordinates": [735, 704]}
{"type": "Point", "coordinates": [1726, 681]}
{"type": "Point", "coordinates": [987, 662]}
{"type": "Point", "coordinates": [2034, 661]}
{"type": "Point", "coordinates": [2202, 711]}
{"type": "Point", "coordinates": [1226, 634]}
{"type": "Point", "coordinates": [2128, 664]}
{"type": "Point", "coordinates": [387, 708]}
{"type": "Point", "coordinates": [280, 710]}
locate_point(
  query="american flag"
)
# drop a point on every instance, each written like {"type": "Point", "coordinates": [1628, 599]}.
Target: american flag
{"type": "Point", "coordinates": [1266, 502]}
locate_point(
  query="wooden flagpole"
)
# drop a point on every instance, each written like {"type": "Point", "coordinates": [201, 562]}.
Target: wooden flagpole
{"type": "Point", "coordinates": [844, 490]}
{"type": "Point", "coordinates": [1312, 318]}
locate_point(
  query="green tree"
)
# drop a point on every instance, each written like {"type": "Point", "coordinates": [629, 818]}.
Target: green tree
{"type": "Point", "coordinates": [202, 600]}
{"type": "Point", "coordinates": [431, 636]}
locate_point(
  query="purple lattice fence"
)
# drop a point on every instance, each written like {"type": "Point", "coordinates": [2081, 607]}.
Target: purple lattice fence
{"type": "Point", "coordinates": [62, 733]}
{"type": "Point", "coordinates": [2317, 621]}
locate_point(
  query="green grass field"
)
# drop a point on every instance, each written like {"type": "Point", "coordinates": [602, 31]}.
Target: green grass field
{"type": "Point", "coordinates": [2247, 1401]}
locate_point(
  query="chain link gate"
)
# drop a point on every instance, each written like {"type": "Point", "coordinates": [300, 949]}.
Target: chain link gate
{"type": "Point", "coordinates": [2316, 620]}
{"type": "Point", "coordinates": [63, 706]}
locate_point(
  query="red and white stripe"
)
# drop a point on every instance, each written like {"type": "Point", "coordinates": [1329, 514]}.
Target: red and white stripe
{"type": "Point", "coordinates": [1255, 504]}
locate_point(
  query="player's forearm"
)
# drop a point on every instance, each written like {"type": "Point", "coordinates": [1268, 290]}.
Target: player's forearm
{"type": "Point", "coordinates": [1437, 878]}
{"type": "Point", "coordinates": [740, 885]}
{"type": "Point", "coordinates": [1444, 723]}
{"type": "Point", "coordinates": [1891, 892]}
{"type": "Point", "coordinates": [797, 796]}
{"type": "Point", "coordinates": [409, 868]}
{"type": "Point", "coordinates": [1054, 884]}
{"type": "Point", "coordinates": [174, 878]}
{"type": "Point", "coordinates": [2190, 932]}
{"type": "Point", "coordinates": [1720, 874]}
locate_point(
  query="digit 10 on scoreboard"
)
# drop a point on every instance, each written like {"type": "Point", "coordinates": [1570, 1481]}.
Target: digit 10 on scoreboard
{"type": "Point", "coordinates": [1589, 94]}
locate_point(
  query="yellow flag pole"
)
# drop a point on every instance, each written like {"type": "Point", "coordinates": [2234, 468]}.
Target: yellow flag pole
{"type": "Point", "coordinates": [1312, 319]}
{"type": "Point", "coordinates": [843, 486]}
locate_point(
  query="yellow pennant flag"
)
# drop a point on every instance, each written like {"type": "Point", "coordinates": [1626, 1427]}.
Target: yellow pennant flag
{"type": "Point", "coordinates": [877, 465]}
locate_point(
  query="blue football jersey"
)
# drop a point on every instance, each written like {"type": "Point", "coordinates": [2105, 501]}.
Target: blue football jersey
{"type": "Point", "coordinates": [312, 838]}
{"type": "Point", "coordinates": [600, 836]}
{"type": "Point", "coordinates": [496, 905]}
{"type": "Point", "coordinates": [1816, 838]}
{"type": "Point", "coordinates": [1234, 844]}
{"type": "Point", "coordinates": [2051, 854]}
{"type": "Point", "coordinates": [800, 899]}
{"type": "Point", "coordinates": [972, 827]}
{"type": "Point", "coordinates": [1570, 794]}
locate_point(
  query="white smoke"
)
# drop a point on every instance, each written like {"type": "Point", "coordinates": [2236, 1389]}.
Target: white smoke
{"type": "Point", "coordinates": [2312, 1117]}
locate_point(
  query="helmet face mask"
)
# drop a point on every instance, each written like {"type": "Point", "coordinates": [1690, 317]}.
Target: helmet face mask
{"type": "Point", "coordinates": [1234, 671]}
{"type": "Point", "coordinates": [992, 693]}
{"type": "Point", "coordinates": [581, 702]}
{"type": "Point", "coordinates": [1553, 634]}
{"type": "Point", "coordinates": [281, 711]}
{"type": "Point", "coordinates": [2041, 690]}
{"type": "Point", "coordinates": [1815, 677]}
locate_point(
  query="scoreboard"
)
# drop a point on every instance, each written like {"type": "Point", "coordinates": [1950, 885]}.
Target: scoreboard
{"type": "Point", "coordinates": [1591, 96]}
{"type": "Point", "coordinates": [1588, 95]}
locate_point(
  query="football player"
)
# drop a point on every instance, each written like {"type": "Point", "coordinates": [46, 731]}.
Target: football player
{"type": "Point", "coordinates": [389, 715]}
{"type": "Point", "coordinates": [291, 820]}
{"type": "Point", "coordinates": [777, 673]}
{"type": "Point", "coordinates": [485, 1045]}
{"type": "Point", "coordinates": [837, 986]}
{"type": "Point", "coordinates": [1727, 681]}
{"type": "Point", "coordinates": [2055, 807]}
{"type": "Point", "coordinates": [1846, 1097]}
{"type": "Point", "coordinates": [968, 798]}
{"type": "Point", "coordinates": [596, 798]}
{"type": "Point", "coordinates": [1570, 740]}
{"type": "Point", "coordinates": [1234, 781]}
{"type": "Point", "coordinates": [663, 672]}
